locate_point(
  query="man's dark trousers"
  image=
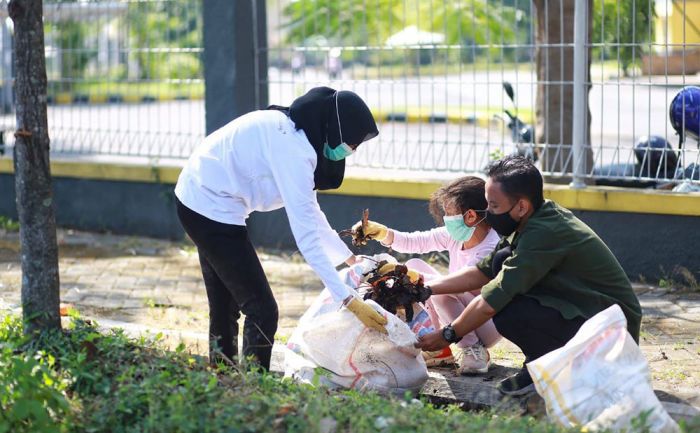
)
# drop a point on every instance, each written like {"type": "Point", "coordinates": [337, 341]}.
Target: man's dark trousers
{"type": "Point", "coordinates": [534, 328]}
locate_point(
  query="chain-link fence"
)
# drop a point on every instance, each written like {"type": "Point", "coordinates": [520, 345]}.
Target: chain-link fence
{"type": "Point", "coordinates": [126, 78]}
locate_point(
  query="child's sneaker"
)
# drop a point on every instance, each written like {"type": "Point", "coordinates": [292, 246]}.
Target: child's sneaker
{"type": "Point", "coordinates": [439, 358]}
{"type": "Point", "coordinates": [474, 359]}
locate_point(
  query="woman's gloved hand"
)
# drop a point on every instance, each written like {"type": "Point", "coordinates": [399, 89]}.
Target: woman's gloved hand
{"type": "Point", "coordinates": [374, 230]}
{"type": "Point", "coordinates": [413, 275]}
{"type": "Point", "coordinates": [367, 315]}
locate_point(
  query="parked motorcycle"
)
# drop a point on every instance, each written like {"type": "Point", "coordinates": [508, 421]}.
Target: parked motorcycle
{"type": "Point", "coordinates": [655, 157]}
{"type": "Point", "coordinates": [522, 134]}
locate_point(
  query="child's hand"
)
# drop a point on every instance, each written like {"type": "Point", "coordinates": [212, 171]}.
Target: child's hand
{"type": "Point", "coordinates": [373, 230]}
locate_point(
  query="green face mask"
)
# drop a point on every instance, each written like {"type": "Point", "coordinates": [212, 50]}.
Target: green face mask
{"type": "Point", "coordinates": [337, 154]}
{"type": "Point", "coordinates": [343, 150]}
{"type": "Point", "coordinates": [457, 229]}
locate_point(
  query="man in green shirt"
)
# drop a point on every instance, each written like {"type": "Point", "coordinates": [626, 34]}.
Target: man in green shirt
{"type": "Point", "coordinates": [549, 273]}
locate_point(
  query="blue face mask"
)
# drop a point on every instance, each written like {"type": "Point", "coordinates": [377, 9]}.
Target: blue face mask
{"type": "Point", "coordinates": [457, 229]}
{"type": "Point", "coordinates": [343, 150]}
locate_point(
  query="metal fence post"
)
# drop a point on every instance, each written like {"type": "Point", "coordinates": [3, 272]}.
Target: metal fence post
{"type": "Point", "coordinates": [231, 36]}
{"type": "Point", "coordinates": [580, 94]}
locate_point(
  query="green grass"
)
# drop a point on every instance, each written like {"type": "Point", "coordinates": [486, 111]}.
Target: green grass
{"type": "Point", "coordinates": [599, 70]}
{"type": "Point", "coordinates": [8, 224]}
{"type": "Point", "coordinates": [82, 380]}
{"type": "Point", "coordinates": [372, 72]}
{"type": "Point", "coordinates": [156, 89]}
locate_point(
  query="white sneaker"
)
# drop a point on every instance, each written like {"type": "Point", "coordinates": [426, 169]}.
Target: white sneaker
{"type": "Point", "coordinates": [474, 359]}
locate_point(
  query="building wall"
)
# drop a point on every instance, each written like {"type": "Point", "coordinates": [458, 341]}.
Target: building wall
{"type": "Point", "coordinates": [670, 19]}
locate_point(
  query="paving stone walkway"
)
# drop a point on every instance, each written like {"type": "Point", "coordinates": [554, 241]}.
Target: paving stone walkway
{"type": "Point", "coordinates": [148, 285]}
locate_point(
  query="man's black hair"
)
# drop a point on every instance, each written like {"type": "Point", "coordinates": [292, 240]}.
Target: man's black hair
{"type": "Point", "coordinates": [519, 178]}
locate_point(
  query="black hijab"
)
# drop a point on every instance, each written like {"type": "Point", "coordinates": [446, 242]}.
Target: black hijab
{"type": "Point", "coordinates": [315, 113]}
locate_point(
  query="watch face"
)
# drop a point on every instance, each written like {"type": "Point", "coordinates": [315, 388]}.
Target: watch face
{"type": "Point", "coordinates": [448, 333]}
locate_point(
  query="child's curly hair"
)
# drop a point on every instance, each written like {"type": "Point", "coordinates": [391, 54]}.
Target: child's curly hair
{"type": "Point", "coordinates": [465, 192]}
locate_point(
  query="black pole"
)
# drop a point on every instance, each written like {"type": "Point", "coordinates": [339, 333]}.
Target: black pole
{"type": "Point", "coordinates": [235, 59]}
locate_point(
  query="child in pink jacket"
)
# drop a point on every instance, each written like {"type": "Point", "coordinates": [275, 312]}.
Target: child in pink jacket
{"type": "Point", "coordinates": [468, 238]}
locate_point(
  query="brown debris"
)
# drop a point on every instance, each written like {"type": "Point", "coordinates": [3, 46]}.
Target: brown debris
{"type": "Point", "coordinates": [394, 290]}
{"type": "Point", "coordinates": [358, 236]}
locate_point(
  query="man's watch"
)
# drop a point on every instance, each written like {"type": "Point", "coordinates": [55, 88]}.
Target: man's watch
{"type": "Point", "coordinates": [449, 334]}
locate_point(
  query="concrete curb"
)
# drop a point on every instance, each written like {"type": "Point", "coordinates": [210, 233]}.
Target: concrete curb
{"type": "Point", "coordinates": [423, 116]}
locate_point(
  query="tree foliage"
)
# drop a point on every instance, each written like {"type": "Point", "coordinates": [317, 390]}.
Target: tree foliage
{"type": "Point", "coordinates": [160, 26]}
{"type": "Point", "coordinates": [73, 34]}
{"type": "Point", "coordinates": [371, 22]}
{"type": "Point", "coordinates": [152, 32]}
{"type": "Point", "coordinates": [628, 23]}
{"type": "Point", "coordinates": [625, 27]}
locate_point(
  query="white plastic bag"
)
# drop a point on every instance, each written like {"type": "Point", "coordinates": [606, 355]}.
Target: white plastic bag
{"type": "Point", "coordinates": [330, 346]}
{"type": "Point", "coordinates": [600, 379]}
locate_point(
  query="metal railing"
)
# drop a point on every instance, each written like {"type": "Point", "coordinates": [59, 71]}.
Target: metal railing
{"type": "Point", "coordinates": [126, 79]}
{"type": "Point", "coordinates": [442, 64]}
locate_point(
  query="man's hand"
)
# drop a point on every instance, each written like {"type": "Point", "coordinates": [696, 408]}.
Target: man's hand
{"type": "Point", "coordinates": [425, 293]}
{"type": "Point", "coordinates": [367, 315]}
{"type": "Point", "coordinates": [413, 275]}
{"type": "Point", "coordinates": [466, 279]}
{"type": "Point", "coordinates": [373, 230]}
{"type": "Point", "coordinates": [432, 342]}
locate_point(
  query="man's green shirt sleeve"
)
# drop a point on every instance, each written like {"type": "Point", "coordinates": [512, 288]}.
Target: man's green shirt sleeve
{"type": "Point", "coordinates": [486, 263]}
{"type": "Point", "coordinates": [535, 253]}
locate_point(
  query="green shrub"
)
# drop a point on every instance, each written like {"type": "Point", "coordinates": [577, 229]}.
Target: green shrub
{"type": "Point", "coordinates": [31, 394]}
{"type": "Point", "coordinates": [8, 224]}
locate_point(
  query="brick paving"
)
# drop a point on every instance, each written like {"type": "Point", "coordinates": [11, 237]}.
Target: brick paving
{"type": "Point", "coordinates": [144, 284]}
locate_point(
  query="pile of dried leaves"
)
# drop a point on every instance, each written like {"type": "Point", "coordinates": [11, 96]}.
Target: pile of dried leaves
{"type": "Point", "coordinates": [394, 289]}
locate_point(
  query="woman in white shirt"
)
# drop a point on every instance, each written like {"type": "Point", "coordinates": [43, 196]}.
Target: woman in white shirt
{"type": "Point", "coordinates": [263, 161]}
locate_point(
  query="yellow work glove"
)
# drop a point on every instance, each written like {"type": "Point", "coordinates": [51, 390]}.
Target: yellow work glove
{"type": "Point", "coordinates": [374, 230]}
{"type": "Point", "coordinates": [413, 275]}
{"type": "Point", "coordinates": [367, 315]}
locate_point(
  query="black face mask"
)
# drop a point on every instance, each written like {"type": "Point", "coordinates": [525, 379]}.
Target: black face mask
{"type": "Point", "coordinates": [503, 223]}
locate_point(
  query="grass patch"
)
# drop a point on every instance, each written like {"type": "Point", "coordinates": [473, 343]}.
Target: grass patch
{"type": "Point", "coordinates": [680, 279]}
{"type": "Point", "coordinates": [599, 70]}
{"type": "Point", "coordinates": [164, 90]}
{"type": "Point", "coordinates": [373, 72]}
{"type": "Point", "coordinates": [8, 224]}
{"type": "Point", "coordinates": [83, 380]}
{"type": "Point", "coordinates": [671, 374]}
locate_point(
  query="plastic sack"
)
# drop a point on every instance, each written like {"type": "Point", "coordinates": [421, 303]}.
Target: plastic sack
{"type": "Point", "coordinates": [600, 379]}
{"type": "Point", "coordinates": [331, 347]}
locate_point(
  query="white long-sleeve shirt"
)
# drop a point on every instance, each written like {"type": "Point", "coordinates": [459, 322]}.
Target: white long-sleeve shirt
{"type": "Point", "coordinates": [260, 162]}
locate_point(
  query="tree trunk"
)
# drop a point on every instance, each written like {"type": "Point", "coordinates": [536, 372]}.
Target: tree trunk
{"type": "Point", "coordinates": [555, 91]}
{"type": "Point", "coordinates": [40, 285]}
